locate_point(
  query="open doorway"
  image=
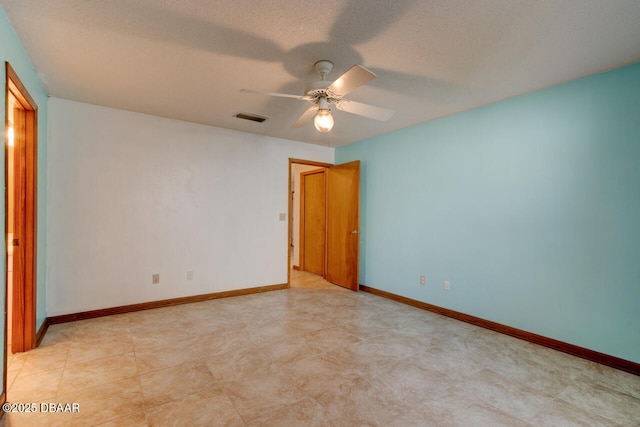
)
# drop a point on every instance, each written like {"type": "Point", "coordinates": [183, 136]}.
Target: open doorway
{"type": "Point", "coordinates": [20, 215]}
{"type": "Point", "coordinates": [308, 236]}
{"type": "Point", "coordinates": [297, 170]}
{"type": "Point", "coordinates": [324, 220]}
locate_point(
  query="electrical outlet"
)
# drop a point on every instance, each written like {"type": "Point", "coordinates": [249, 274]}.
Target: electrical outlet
{"type": "Point", "coordinates": [155, 279]}
{"type": "Point", "coordinates": [283, 217]}
{"type": "Point", "coordinates": [189, 275]}
{"type": "Point", "coordinates": [446, 285]}
{"type": "Point", "coordinates": [423, 280]}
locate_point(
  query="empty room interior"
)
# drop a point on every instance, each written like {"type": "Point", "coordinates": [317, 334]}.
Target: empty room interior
{"type": "Point", "coordinates": [349, 213]}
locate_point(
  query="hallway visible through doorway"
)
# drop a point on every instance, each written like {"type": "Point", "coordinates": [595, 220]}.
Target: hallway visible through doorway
{"type": "Point", "coordinates": [304, 279]}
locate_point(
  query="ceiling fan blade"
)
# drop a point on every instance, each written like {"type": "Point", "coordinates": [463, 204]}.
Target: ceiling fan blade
{"type": "Point", "coordinates": [355, 77]}
{"type": "Point", "coordinates": [305, 117]}
{"type": "Point", "coordinates": [366, 110]}
{"type": "Point", "coordinates": [281, 95]}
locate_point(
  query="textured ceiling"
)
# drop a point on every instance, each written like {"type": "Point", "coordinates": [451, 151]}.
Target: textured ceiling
{"type": "Point", "coordinates": [189, 59]}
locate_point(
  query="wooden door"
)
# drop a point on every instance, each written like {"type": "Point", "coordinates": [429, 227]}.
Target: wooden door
{"type": "Point", "coordinates": [312, 221]}
{"type": "Point", "coordinates": [343, 224]}
{"type": "Point", "coordinates": [18, 243]}
{"type": "Point", "coordinates": [23, 307]}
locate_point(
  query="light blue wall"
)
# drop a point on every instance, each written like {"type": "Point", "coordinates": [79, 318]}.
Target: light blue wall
{"type": "Point", "coordinates": [12, 51]}
{"type": "Point", "coordinates": [530, 207]}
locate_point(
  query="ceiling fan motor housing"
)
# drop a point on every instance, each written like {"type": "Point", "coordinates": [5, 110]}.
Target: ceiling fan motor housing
{"type": "Point", "coordinates": [318, 89]}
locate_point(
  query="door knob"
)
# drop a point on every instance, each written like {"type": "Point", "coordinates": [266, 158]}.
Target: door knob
{"type": "Point", "coordinates": [355, 231]}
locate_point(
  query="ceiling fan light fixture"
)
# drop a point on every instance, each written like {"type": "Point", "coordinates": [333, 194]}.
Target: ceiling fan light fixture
{"type": "Point", "coordinates": [324, 120]}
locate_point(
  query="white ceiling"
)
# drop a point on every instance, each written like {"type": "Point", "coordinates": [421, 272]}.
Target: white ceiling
{"type": "Point", "coordinates": [188, 59]}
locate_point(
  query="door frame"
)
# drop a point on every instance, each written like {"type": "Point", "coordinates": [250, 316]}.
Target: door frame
{"type": "Point", "coordinates": [293, 161]}
{"type": "Point", "coordinates": [23, 308]}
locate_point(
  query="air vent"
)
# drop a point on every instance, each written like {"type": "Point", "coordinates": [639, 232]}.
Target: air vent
{"type": "Point", "coordinates": [251, 117]}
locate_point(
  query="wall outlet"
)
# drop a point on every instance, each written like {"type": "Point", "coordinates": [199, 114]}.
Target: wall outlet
{"type": "Point", "coordinates": [155, 279]}
{"type": "Point", "coordinates": [445, 285]}
{"type": "Point", "coordinates": [283, 217]}
{"type": "Point", "coordinates": [189, 275]}
{"type": "Point", "coordinates": [423, 280]}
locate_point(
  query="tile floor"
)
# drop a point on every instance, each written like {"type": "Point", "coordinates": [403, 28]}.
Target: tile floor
{"type": "Point", "coordinates": [314, 355]}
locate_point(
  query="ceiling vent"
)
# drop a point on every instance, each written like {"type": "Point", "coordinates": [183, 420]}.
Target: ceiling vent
{"type": "Point", "coordinates": [251, 117]}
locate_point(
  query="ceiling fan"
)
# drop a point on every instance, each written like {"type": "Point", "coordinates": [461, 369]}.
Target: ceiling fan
{"type": "Point", "coordinates": [324, 93]}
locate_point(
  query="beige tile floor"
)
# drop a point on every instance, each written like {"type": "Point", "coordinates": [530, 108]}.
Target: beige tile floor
{"type": "Point", "coordinates": [314, 355]}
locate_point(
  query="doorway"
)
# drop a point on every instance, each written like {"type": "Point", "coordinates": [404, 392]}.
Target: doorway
{"type": "Point", "coordinates": [325, 198]}
{"type": "Point", "coordinates": [312, 220]}
{"type": "Point", "coordinates": [20, 215]}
